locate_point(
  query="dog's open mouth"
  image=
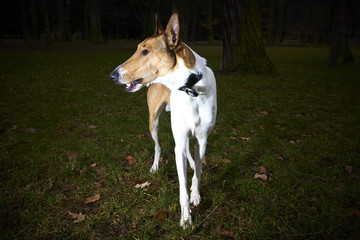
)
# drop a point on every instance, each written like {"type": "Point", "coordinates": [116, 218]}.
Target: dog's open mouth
{"type": "Point", "coordinates": [134, 85]}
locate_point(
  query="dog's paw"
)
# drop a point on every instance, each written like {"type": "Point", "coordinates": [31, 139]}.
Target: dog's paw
{"type": "Point", "coordinates": [186, 222]}
{"type": "Point", "coordinates": [154, 168]}
{"type": "Point", "coordinates": [195, 199]}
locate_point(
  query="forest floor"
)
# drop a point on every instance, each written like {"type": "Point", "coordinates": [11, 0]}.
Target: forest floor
{"type": "Point", "coordinates": [283, 161]}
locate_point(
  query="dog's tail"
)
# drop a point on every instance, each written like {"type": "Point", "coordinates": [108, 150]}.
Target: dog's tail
{"type": "Point", "coordinates": [189, 157]}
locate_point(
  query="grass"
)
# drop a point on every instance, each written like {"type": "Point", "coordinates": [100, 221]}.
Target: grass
{"type": "Point", "coordinates": [66, 131]}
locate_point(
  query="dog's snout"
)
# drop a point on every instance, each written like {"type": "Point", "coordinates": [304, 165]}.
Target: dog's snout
{"type": "Point", "coordinates": [114, 76]}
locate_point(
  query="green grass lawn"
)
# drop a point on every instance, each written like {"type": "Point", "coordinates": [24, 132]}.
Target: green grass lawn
{"type": "Point", "coordinates": [67, 132]}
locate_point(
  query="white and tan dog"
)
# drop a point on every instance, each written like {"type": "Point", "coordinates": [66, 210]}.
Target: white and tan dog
{"type": "Point", "coordinates": [177, 77]}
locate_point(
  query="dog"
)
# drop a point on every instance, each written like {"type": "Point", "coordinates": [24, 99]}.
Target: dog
{"type": "Point", "coordinates": [177, 77]}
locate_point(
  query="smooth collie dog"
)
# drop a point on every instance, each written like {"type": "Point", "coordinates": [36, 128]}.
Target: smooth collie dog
{"type": "Point", "coordinates": [179, 80]}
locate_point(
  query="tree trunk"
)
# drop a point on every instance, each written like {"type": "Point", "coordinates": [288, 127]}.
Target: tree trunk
{"type": "Point", "coordinates": [230, 14]}
{"type": "Point", "coordinates": [243, 47]}
{"type": "Point", "coordinates": [25, 26]}
{"type": "Point", "coordinates": [44, 11]}
{"type": "Point", "coordinates": [210, 31]}
{"type": "Point", "coordinates": [34, 22]}
{"type": "Point", "coordinates": [86, 20]}
{"type": "Point", "coordinates": [95, 21]}
{"type": "Point", "coordinates": [340, 50]}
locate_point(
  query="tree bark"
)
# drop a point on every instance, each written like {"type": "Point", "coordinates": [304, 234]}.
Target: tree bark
{"type": "Point", "coordinates": [95, 21]}
{"type": "Point", "coordinates": [210, 31]}
{"type": "Point", "coordinates": [44, 11]}
{"type": "Point", "coordinates": [243, 46]}
{"type": "Point", "coordinates": [340, 50]}
{"type": "Point", "coordinates": [34, 22]}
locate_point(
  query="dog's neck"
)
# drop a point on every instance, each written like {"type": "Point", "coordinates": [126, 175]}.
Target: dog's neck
{"type": "Point", "coordinates": [191, 81]}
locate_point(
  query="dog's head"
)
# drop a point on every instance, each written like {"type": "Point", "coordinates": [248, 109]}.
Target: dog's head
{"type": "Point", "coordinates": [155, 57]}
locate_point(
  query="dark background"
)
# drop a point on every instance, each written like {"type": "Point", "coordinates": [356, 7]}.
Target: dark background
{"type": "Point", "coordinates": [306, 20]}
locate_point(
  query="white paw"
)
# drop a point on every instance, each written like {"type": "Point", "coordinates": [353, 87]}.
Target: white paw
{"type": "Point", "coordinates": [186, 222]}
{"type": "Point", "coordinates": [195, 199]}
{"type": "Point", "coordinates": [154, 168]}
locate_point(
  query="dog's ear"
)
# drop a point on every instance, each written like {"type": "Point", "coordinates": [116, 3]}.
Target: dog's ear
{"type": "Point", "coordinates": [172, 31]}
{"type": "Point", "coordinates": [158, 28]}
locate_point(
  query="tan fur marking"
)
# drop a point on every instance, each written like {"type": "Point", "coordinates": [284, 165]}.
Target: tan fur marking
{"type": "Point", "coordinates": [186, 54]}
{"type": "Point", "coordinates": [158, 96]}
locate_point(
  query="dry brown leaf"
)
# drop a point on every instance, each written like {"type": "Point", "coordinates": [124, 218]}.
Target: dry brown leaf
{"type": "Point", "coordinates": [245, 138]}
{"type": "Point", "coordinates": [79, 217]}
{"type": "Point", "coordinates": [348, 169]}
{"type": "Point", "coordinates": [143, 185]}
{"type": "Point", "coordinates": [263, 177]}
{"type": "Point", "coordinates": [204, 161]}
{"type": "Point", "coordinates": [71, 155]}
{"type": "Point", "coordinates": [101, 170]}
{"type": "Point", "coordinates": [226, 161]}
{"type": "Point", "coordinates": [130, 159]}
{"type": "Point", "coordinates": [354, 212]}
{"type": "Point", "coordinates": [264, 113]}
{"type": "Point", "coordinates": [92, 199]}
{"type": "Point", "coordinates": [93, 165]}
{"type": "Point", "coordinates": [31, 130]}
{"type": "Point", "coordinates": [224, 233]}
{"type": "Point", "coordinates": [262, 170]}
{"type": "Point", "coordinates": [161, 215]}
{"type": "Point", "coordinates": [92, 126]}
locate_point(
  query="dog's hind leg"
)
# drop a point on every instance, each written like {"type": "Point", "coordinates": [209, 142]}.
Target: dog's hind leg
{"type": "Point", "coordinates": [157, 98]}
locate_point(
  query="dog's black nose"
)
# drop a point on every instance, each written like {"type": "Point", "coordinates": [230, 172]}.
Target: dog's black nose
{"type": "Point", "coordinates": [114, 76]}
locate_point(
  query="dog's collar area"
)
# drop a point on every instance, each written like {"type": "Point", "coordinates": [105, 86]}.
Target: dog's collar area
{"type": "Point", "coordinates": [192, 80]}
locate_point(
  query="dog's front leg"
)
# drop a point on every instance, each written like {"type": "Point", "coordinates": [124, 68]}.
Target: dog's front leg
{"type": "Point", "coordinates": [181, 164]}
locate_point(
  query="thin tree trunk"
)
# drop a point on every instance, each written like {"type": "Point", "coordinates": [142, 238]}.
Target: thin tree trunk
{"type": "Point", "coordinates": [340, 50]}
{"type": "Point", "coordinates": [210, 31]}
{"type": "Point", "coordinates": [34, 22]}
{"type": "Point", "coordinates": [194, 22]}
{"type": "Point", "coordinates": [24, 20]}
{"type": "Point", "coordinates": [231, 53]}
{"type": "Point", "coordinates": [86, 20]}
{"type": "Point", "coordinates": [45, 14]}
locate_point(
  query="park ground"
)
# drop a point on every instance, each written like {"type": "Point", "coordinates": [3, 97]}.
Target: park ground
{"type": "Point", "coordinates": [283, 161]}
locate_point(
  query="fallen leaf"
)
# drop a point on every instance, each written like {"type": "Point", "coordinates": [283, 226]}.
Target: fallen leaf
{"type": "Point", "coordinates": [348, 169]}
{"type": "Point", "coordinates": [245, 138]}
{"type": "Point", "coordinates": [161, 215]}
{"type": "Point", "coordinates": [92, 199]}
{"type": "Point", "coordinates": [224, 233]}
{"type": "Point", "coordinates": [354, 212]}
{"type": "Point", "coordinates": [93, 165]}
{"type": "Point", "coordinates": [101, 170]}
{"type": "Point", "coordinates": [92, 126]}
{"type": "Point", "coordinates": [204, 161]}
{"type": "Point", "coordinates": [234, 138]}
{"type": "Point", "coordinates": [263, 177]}
{"type": "Point", "coordinates": [131, 160]}
{"type": "Point", "coordinates": [226, 161]}
{"type": "Point", "coordinates": [264, 113]}
{"type": "Point", "coordinates": [305, 135]}
{"type": "Point", "coordinates": [71, 155]}
{"type": "Point", "coordinates": [79, 217]}
{"type": "Point", "coordinates": [143, 185]}
{"type": "Point", "coordinates": [262, 170]}
{"type": "Point", "coordinates": [31, 130]}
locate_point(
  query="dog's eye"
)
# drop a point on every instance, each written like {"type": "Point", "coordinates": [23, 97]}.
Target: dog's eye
{"type": "Point", "coordinates": [144, 52]}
